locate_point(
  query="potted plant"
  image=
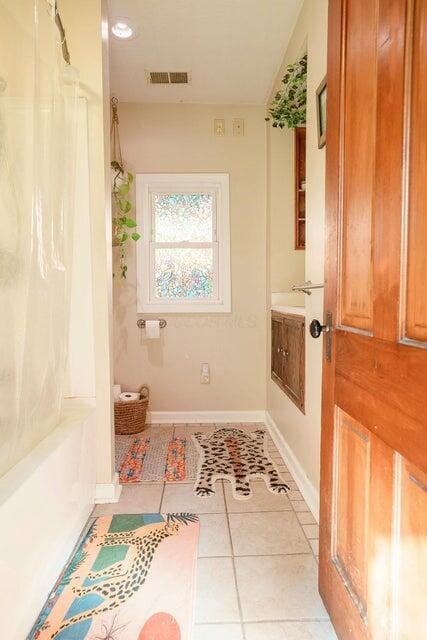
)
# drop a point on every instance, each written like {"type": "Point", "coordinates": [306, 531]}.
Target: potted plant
{"type": "Point", "coordinates": [288, 107]}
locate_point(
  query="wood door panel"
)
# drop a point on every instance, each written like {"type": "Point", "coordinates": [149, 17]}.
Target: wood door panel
{"type": "Point", "coordinates": [351, 496]}
{"type": "Point", "coordinates": [276, 347]}
{"type": "Point", "coordinates": [416, 303]}
{"type": "Point", "coordinates": [358, 153]}
{"type": "Point", "coordinates": [410, 613]}
{"type": "Point", "coordinates": [377, 417]}
{"type": "Point", "coordinates": [396, 373]}
{"type": "Point", "coordinates": [294, 359]}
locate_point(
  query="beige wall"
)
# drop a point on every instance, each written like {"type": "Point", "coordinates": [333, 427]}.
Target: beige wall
{"type": "Point", "coordinates": [179, 138]}
{"type": "Point", "coordinates": [287, 266]}
{"type": "Point", "coordinates": [302, 432]}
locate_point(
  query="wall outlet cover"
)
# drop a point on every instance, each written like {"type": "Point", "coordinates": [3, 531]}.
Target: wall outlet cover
{"type": "Point", "coordinates": [238, 127]}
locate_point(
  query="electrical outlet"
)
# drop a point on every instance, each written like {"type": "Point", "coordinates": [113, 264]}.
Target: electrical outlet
{"type": "Point", "coordinates": [205, 376]}
{"type": "Point", "coordinates": [219, 127]}
{"type": "Point", "coordinates": [238, 127]}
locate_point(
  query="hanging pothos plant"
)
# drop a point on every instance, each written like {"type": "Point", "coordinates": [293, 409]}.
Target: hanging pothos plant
{"type": "Point", "coordinates": [124, 225]}
{"type": "Point", "coordinates": [289, 105]}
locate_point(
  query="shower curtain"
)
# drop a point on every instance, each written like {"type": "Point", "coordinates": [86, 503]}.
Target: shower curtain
{"type": "Point", "coordinates": [38, 102]}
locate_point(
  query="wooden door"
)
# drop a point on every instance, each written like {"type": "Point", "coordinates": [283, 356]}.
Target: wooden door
{"type": "Point", "coordinates": [373, 521]}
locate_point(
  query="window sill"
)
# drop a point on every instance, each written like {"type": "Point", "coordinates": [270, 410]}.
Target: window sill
{"type": "Point", "coordinates": [173, 309]}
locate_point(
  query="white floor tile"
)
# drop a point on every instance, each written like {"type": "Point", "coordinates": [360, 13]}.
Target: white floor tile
{"type": "Point", "coordinates": [181, 498]}
{"type": "Point", "coordinates": [315, 546]}
{"type": "Point", "coordinates": [214, 535]}
{"type": "Point", "coordinates": [311, 530]}
{"type": "Point", "coordinates": [300, 505]}
{"type": "Point", "coordinates": [216, 598]}
{"type": "Point", "coordinates": [296, 630]}
{"type": "Point", "coordinates": [186, 430]}
{"type": "Point", "coordinates": [279, 588]}
{"type": "Point", "coordinates": [306, 517]}
{"type": "Point", "coordinates": [137, 498]}
{"type": "Point", "coordinates": [218, 632]}
{"type": "Point", "coordinates": [262, 500]}
{"type": "Point", "coordinates": [267, 533]}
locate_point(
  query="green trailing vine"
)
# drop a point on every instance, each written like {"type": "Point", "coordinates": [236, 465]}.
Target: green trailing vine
{"type": "Point", "coordinates": [289, 105]}
{"type": "Point", "coordinates": [124, 225]}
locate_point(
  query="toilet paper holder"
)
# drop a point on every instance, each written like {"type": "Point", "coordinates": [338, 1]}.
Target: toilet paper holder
{"type": "Point", "coordinates": [141, 323]}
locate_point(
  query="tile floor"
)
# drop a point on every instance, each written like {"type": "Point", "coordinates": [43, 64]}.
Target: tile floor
{"type": "Point", "coordinates": [257, 566]}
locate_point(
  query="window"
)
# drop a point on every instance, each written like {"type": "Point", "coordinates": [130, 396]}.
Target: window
{"type": "Point", "coordinates": [183, 257]}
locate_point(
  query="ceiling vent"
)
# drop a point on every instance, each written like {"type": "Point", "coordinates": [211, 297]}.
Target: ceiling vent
{"type": "Point", "coordinates": [178, 77]}
{"type": "Point", "coordinates": [159, 77]}
{"type": "Point", "coordinates": [167, 77]}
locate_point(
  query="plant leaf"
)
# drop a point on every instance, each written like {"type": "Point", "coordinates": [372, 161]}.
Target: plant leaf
{"type": "Point", "coordinates": [135, 236]}
{"type": "Point", "coordinates": [125, 206]}
{"type": "Point", "coordinates": [123, 190]}
{"type": "Point", "coordinates": [129, 222]}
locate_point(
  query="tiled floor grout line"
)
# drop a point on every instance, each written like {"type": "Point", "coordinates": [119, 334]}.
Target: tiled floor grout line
{"type": "Point", "coordinates": [282, 620]}
{"type": "Point", "coordinates": [162, 496]}
{"type": "Point", "coordinates": [263, 555]}
{"type": "Point", "coordinates": [239, 604]}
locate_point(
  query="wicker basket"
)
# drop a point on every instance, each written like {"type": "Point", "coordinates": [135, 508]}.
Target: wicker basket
{"type": "Point", "coordinates": [129, 417]}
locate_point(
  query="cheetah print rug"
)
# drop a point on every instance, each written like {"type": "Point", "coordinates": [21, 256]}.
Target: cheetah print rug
{"type": "Point", "coordinates": [132, 576]}
{"type": "Point", "coordinates": [238, 456]}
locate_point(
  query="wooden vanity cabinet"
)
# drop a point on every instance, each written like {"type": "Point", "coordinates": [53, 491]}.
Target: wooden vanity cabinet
{"type": "Point", "coordinates": [288, 355]}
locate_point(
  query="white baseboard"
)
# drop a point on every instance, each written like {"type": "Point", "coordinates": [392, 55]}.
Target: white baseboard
{"type": "Point", "coordinates": [170, 417]}
{"type": "Point", "coordinates": [109, 491]}
{"type": "Point", "coordinates": [309, 492]}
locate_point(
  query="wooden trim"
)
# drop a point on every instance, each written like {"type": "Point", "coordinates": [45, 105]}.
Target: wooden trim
{"type": "Point", "coordinates": [332, 590]}
{"type": "Point", "coordinates": [321, 135]}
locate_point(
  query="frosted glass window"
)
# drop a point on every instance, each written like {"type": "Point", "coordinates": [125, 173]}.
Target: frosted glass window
{"type": "Point", "coordinates": [184, 273]}
{"type": "Point", "coordinates": [184, 217]}
{"type": "Point", "coordinates": [184, 256]}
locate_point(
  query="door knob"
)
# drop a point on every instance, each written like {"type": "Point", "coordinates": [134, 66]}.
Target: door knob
{"type": "Point", "coordinates": [316, 328]}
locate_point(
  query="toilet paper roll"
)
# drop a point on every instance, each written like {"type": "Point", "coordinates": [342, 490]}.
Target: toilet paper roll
{"type": "Point", "coordinates": [128, 396]}
{"type": "Point", "coordinates": [116, 391]}
{"type": "Point", "coordinates": [152, 329]}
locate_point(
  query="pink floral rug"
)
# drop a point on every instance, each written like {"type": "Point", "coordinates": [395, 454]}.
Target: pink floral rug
{"type": "Point", "coordinates": [155, 458]}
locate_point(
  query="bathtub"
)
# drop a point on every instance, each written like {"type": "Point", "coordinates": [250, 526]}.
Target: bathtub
{"type": "Point", "coordinates": [45, 501]}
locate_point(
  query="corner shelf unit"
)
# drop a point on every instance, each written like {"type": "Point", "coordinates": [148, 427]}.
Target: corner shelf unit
{"type": "Point", "coordinates": [300, 194]}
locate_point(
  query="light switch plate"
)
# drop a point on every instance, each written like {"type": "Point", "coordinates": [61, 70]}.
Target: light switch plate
{"type": "Point", "coordinates": [219, 127]}
{"type": "Point", "coordinates": [205, 374]}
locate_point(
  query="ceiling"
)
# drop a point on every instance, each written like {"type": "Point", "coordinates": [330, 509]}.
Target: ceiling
{"type": "Point", "coordinates": [232, 48]}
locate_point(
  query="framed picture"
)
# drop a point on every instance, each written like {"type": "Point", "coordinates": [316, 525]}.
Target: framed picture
{"type": "Point", "coordinates": [321, 113]}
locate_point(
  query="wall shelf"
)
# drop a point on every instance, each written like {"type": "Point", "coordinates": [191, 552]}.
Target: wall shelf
{"type": "Point", "coordinates": [300, 196]}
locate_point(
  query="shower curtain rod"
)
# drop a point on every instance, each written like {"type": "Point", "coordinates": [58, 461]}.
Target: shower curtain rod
{"type": "Point", "coordinates": [58, 21]}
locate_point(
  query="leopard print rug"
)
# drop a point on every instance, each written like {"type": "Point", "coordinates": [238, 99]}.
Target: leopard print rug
{"type": "Point", "coordinates": [238, 456]}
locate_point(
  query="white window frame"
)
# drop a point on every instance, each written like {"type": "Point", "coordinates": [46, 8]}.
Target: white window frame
{"type": "Point", "coordinates": [218, 185]}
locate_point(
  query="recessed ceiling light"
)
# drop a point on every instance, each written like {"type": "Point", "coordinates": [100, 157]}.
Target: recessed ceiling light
{"type": "Point", "coordinates": [123, 29]}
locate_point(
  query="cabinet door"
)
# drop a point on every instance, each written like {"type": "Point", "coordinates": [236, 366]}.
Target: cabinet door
{"type": "Point", "coordinates": [276, 348]}
{"type": "Point", "coordinates": [293, 370]}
